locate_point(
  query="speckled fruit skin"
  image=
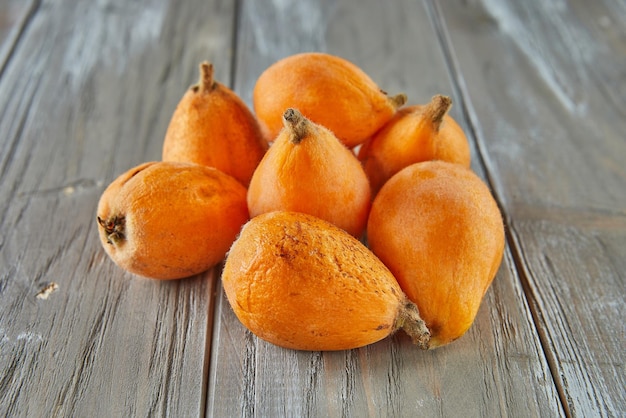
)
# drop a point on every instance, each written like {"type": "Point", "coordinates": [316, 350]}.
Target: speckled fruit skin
{"type": "Point", "coordinates": [301, 283]}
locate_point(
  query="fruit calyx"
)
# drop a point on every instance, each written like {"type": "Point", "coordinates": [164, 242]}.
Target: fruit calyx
{"type": "Point", "coordinates": [411, 322]}
{"type": "Point", "coordinates": [436, 109]}
{"type": "Point", "coordinates": [114, 228]}
{"type": "Point", "coordinates": [297, 124]}
{"type": "Point", "coordinates": [206, 83]}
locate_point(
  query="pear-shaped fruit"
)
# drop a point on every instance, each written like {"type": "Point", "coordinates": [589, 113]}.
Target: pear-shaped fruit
{"type": "Point", "coordinates": [308, 170]}
{"type": "Point", "coordinates": [212, 126]}
{"type": "Point", "coordinates": [438, 229]}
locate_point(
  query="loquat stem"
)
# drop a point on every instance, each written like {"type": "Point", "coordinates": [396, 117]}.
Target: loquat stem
{"type": "Point", "coordinates": [436, 110]}
{"type": "Point", "coordinates": [411, 322]}
{"type": "Point", "coordinates": [206, 82]}
{"type": "Point", "coordinates": [398, 100]}
{"type": "Point", "coordinates": [297, 124]}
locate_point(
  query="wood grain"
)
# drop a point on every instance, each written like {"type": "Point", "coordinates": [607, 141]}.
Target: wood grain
{"type": "Point", "coordinates": [87, 93]}
{"type": "Point", "coordinates": [497, 368]}
{"type": "Point", "coordinates": [543, 85]}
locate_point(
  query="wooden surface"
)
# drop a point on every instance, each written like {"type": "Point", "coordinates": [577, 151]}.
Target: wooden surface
{"type": "Point", "coordinates": [86, 91]}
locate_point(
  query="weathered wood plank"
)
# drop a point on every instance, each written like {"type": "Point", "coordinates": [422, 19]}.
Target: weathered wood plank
{"type": "Point", "coordinates": [86, 94]}
{"type": "Point", "coordinates": [577, 286]}
{"type": "Point", "coordinates": [539, 79]}
{"type": "Point", "coordinates": [496, 369]}
{"type": "Point", "coordinates": [546, 91]}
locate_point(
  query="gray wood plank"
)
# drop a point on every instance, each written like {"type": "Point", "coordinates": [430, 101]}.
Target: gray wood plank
{"type": "Point", "coordinates": [496, 369]}
{"type": "Point", "coordinates": [86, 94]}
{"type": "Point", "coordinates": [545, 89]}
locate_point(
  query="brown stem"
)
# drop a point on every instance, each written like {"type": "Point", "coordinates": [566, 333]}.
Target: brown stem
{"type": "Point", "coordinates": [206, 82]}
{"type": "Point", "coordinates": [297, 124]}
{"type": "Point", "coordinates": [436, 110]}
{"type": "Point", "coordinates": [410, 321]}
{"type": "Point", "coordinates": [398, 100]}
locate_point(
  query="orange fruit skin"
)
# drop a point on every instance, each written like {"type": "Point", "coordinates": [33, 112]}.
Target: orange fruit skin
{"type": "Point", "coordinates": [328, 90]}
{"type": "Point", "coordinates": [214, 127]}
{"type": "Point", "coordinates": [407, 139]}
{"type": "Point", "coordinates": [440, 232]}
{"type": "Point", "coordinates": [299, 282]}
{"type": "Point", "coordinates": [179, 218]}
{"type": "Point", "coordinates": [318, 176]}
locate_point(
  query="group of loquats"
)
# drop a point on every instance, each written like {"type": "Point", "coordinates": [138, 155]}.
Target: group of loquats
{"type": "Point", "coordinates": [288, 195]}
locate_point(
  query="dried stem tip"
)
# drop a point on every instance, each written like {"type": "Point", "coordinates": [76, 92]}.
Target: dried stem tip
{"type": "Point", "coordinates": [398, 100]}
{"type": "Point", "coordinates": [437, 109]}
{"type": "Point", "coordinates": [295, 122]}
{"type": "Point", "coordinates": [206, 82]}
{"type": "Point", "coordinates": [410, 321]}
